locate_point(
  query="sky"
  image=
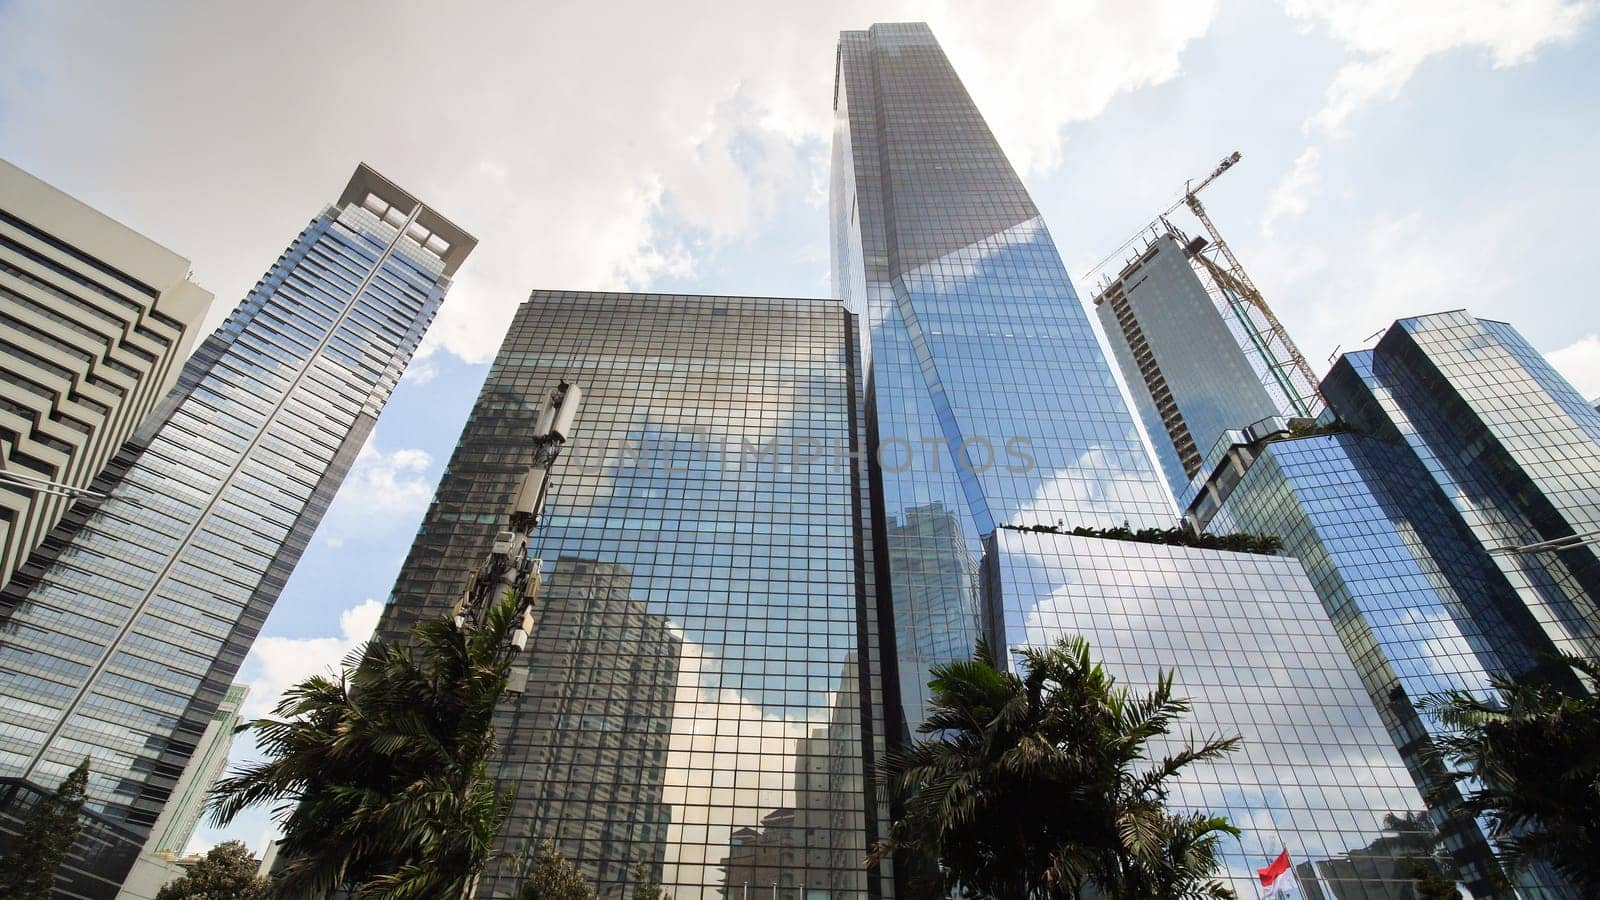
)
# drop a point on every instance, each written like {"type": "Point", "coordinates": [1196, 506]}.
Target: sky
{"type": "Point", "coordinates": [1398, 159]}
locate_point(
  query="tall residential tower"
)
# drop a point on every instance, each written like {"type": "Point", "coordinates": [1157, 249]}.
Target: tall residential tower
{"type": "Point", "coordinates": [120, 635]}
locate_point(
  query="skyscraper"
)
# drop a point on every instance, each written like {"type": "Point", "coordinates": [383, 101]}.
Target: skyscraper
{"type": "Point", "coordinates": [176, 826]}
{"type": "Point", "coordinates": [1513, 446]}
{"type": "Point", "coordinates": [1416, 602]}
{"type": "Point", "coordinates": [1400, 509]}
{"type": "Point", "coordinates": [988, 394]}
{"type": "Point", "coordinates": [1249, 644]}
{"type": "Point", "coordinates": [698, 695]}
{"type": "Point", "coordinates": [1194, 379]}
{"type": "Point", "coordinates": [120, 635]}
{"type": "Point", "coordinates": [95, 322]}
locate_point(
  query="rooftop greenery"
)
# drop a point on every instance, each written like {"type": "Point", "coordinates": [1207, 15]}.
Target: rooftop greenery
{"type": "Point", "coordinates": [1239, 542]}
{"type": "Point", "coordinates": [1312, 429]}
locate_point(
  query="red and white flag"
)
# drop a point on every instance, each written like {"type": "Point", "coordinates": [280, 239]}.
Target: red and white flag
{"type": "Point", "coordinates": [1276, 881]}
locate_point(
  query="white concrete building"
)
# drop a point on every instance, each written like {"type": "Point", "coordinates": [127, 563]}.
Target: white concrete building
{"type": "Point", "coordinates": [95, 323]}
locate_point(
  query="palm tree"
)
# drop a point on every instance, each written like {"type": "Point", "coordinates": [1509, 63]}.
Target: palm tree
{"type": "Point", "coordinates": [1527, 762]}
{"type": "Point", "coordinates": [379, 776]}
{"type": "Point", "coordinates": [1034, 786]}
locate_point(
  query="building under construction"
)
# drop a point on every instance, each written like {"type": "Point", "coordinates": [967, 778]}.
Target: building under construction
{"type": "Point", "coordinates": [1183, 314]}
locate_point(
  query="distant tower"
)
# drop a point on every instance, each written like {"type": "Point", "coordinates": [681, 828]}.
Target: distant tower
{"type": "Point", "coordinates": [1190, 377]}
{"type": "Point", "coordinates": [95, 323]}
{"type": "Point", "coordinates": [1200, 348]}
{"type": "Point", "coordinates": [188, 802]}
{"type": "Point", "coordinates": [173, 830]}
{"type": "Point", "coordinates": [133, 616]}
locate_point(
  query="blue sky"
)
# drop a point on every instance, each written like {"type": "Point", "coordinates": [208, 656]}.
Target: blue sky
{"type": "Point", "coordinates": [1399, 158]}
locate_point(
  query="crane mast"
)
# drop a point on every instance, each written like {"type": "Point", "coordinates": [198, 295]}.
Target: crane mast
{"type": "Point", "coordinates": [1231, 276]}
{"type": "Point", "coordinates": [1285, 371]}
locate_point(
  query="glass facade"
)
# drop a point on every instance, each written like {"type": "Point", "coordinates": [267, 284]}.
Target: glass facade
{"type": "Point", "coordinates": [989, 397]}
{"type": "Point", "coordinates": [698, 690]}
{"type": "Point", "coordinates": [173, 831]}
{"type": "Point", "coordinates": [1189, 379]}
{"type": "Point", "coordinates": [119, 637]}
{"type": "Point", "coordinates": [1252, 648]}
{"type": "Point", "coordinates": [1416, 602]}
{"type": "Point", "coordinates": [990, 403]}
{"type": "Point", "coordinates": [1513, 446]}
{"type": "Point", "coordinates": [1452, 441]}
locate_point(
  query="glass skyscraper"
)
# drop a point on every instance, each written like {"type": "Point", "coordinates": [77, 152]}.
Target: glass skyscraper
{"type": "Point", "coordinates": [1439, 447]}
{"type": "Point", "coordinates": [1513, 446]}
{"type": "Point", "coordinates": [1250, 645]}
{"type": "Point", "coordinates": [1418, 605]}
{"type": "Point", "coordinates": [989, 394]}
{"type": "Point", "coordinates": [990, 401]}
{"type": "Point", "coordinates": [698, 694]}
{"type": "Point", "coordinates": [170, 836]}
{"type": "Point", "coordinates": [119, 637]}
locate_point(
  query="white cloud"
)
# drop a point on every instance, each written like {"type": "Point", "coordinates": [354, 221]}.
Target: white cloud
{"type": "Point", "coordinates": [1388, 41]}
{"type": "Point", "coordinates": [1579, 361]}
{"type": "Point", "coordinates": [1337, 294]}
{"type": "Point", "coordinates": [585, 146]}
{"type": "Point", "coordinates": [276, 663]}
{"type": "Point", "coordinates": [1292, 196]}
{"type": "Point", "coordinates": [421, 371]}
{"type": "Point", "coordinates": [1096, 490]}
{"type": "Point", "coordinates": [1034, 70]}
{"type": "Point", "coordinates": [382, 487]}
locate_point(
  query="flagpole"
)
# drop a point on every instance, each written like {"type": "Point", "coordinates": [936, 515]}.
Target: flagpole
{"type": "Point", "coordinates": [1262, 846]}
{"type": "Point", "coordinates": [1300, 885]}
{"type": "Point", "coordinates": [1283, 848]}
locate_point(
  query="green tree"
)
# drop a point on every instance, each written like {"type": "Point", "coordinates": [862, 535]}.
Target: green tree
{"type": "Point", "coordinates": [226, 872]}
{"type": "Point", "coordinates": [1035, 787]}
{"type": "Point", "coordinates": [553, 877]}
{"type": "Point", "coordinates": [645, 886]}
{"type": "Point", "coordinates": [1527, 762]}
{"type": "Point", "coordinates": [29, 872]}
{"type": "Point", "coordinates": [1411, 836]}
{"type": "Point", "coordinates": [379, 777]}
{"type": "Point", "coordinates": [1429, 884]}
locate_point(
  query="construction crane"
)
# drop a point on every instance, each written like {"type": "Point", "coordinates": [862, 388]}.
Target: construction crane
{"type": "Point", "coordinates": [1232, 276]}
{"type": "Point", "coordinates": [1232, 289]}
{"type": "Point", "coordinates": [508, 567]}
